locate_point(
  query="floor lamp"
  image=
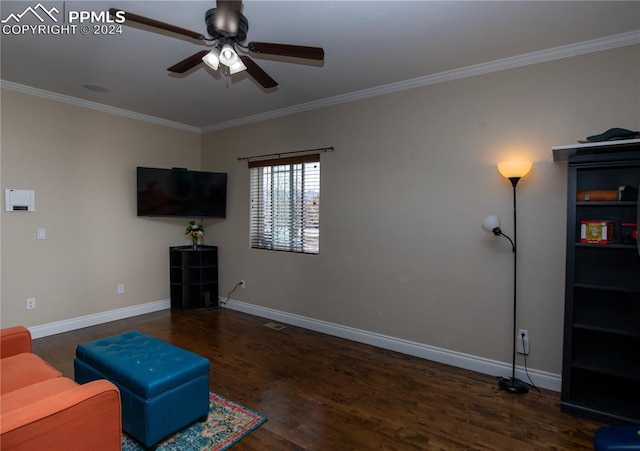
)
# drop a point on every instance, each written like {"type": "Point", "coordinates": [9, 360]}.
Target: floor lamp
{"type": "Point", "coordinates": [514, 171]}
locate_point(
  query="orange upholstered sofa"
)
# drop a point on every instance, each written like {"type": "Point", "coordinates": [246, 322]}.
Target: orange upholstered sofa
{"type": "Point", "coordinates": [40, 409]}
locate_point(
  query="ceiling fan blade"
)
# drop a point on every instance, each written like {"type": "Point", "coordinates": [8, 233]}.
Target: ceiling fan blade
{"type": "Point", "coordinates": [258, 74]}
{"type": "Point", "coordinates": [188, 63]}
{"type": "Point", "coordinates": [297, 51]}
{"type": "Point", "coordinates": [234, 5]}
{"type": "Point", "coordinates": [157, 24]}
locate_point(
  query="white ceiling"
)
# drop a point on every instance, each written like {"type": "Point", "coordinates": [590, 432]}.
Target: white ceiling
{"type": "Point", "coordinates": [368, 46]}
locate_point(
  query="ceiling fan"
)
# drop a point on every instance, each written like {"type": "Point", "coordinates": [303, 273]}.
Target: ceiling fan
{"type": "Point", "coordinates": [228, 29]}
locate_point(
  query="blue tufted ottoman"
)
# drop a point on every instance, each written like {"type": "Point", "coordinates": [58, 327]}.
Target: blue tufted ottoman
{"type": "Point", "coordinates": [163, 388]}
{"type": "Point", "coordinates": [617, 438]}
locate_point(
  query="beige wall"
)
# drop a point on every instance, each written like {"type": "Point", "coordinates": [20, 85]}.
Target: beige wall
{"type": "Point", "coordinates": [414, 173]}
{"type": "Point", "coordinates": [81, 164]}
{"type": "Point", "coordinates": [402, 251]}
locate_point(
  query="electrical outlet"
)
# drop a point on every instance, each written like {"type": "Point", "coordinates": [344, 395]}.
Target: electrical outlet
{"type": "Point", "coordinates": [522, 342]}
{"type": "Point", "coordinates": [31, 303]}
{"type": "Point", "coordinates": [242, 285]}
{"type": "Point", "coordinates": [120, 288]}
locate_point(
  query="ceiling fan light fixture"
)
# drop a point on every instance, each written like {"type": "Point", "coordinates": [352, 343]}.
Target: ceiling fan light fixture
{"type": "Point", "coordinates": [228, 55]}
{"type": "Point", "coordinates": [236, 67]}
{"type": "Point", "coordinates": [212, 59]}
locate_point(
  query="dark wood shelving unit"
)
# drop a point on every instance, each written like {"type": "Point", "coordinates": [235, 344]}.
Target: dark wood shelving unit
{"type": "Point", "coordinates": [193, 276]}
{"type": "Point", "coordinates": [601, 360]}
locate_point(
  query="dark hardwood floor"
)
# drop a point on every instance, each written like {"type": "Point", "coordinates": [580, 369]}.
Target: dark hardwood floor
{"type": "Point", "coordinates": [325, 393]}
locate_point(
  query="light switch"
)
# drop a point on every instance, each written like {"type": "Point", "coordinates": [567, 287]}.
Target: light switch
{"type": "Point", "coordinates": [42, 234]}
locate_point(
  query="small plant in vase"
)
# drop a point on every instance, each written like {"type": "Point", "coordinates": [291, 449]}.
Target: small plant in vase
{"type": "Point", "coordinates": [196, 232]}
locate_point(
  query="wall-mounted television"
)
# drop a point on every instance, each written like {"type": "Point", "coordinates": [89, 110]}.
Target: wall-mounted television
{"type": "Point", "coordinates": [180, 192]}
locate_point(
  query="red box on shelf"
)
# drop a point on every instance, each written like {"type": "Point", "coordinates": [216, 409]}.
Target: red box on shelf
{"type": "Point", "coordinates": [596, 231]}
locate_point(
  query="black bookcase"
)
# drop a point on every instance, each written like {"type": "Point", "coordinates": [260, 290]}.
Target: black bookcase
{"type": "Point", "coordinates": [193, 275]}
{"type": "Point", "coordinates": [601, 360]}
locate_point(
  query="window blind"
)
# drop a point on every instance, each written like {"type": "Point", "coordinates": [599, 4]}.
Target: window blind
{"type": "Point", "coordinates": [285, 204]}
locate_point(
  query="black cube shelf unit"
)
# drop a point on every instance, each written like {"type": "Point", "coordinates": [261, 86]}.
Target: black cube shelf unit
{"type": "Point", "coordinates": [193, 275]}
{"type": "Point", "coordinates": [601, 361]}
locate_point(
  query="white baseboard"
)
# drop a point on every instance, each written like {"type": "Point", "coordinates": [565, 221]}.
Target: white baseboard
{"type": "Point", "coordinates": [541, 379]}
{"type": "Point", "coordinates": [59, 327]}
{"type": "Point", "coordinates": [481, 365]}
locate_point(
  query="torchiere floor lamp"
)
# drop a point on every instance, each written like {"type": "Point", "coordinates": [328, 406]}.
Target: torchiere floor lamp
{"type": "Point", "coordinates": [514, 171]}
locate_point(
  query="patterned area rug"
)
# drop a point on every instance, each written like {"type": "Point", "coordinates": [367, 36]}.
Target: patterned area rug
{"type": "Point", "coordinates": [226, 424]}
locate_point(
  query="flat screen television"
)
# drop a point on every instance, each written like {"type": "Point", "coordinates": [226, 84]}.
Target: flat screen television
{"type": "Point", "coordinates": [182, 193]}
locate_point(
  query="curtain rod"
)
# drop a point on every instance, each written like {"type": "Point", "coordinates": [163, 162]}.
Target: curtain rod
{"type": "Point", "coordinates": [320, 149]}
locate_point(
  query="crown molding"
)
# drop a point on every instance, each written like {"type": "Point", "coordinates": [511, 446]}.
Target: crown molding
{"type": "Point", "coordinates": [542, 56]}
{"type": "Point", "coordinates": [23, 89]}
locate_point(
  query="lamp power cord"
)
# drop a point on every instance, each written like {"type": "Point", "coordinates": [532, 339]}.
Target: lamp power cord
{"type": "Point", "coordinates": [526, 370]}
{"type": "Point", "coordinates": [224, 302]}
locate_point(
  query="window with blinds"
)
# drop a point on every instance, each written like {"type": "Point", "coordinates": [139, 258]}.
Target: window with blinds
{"type": "Point", "coordinates": [285, 204]}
